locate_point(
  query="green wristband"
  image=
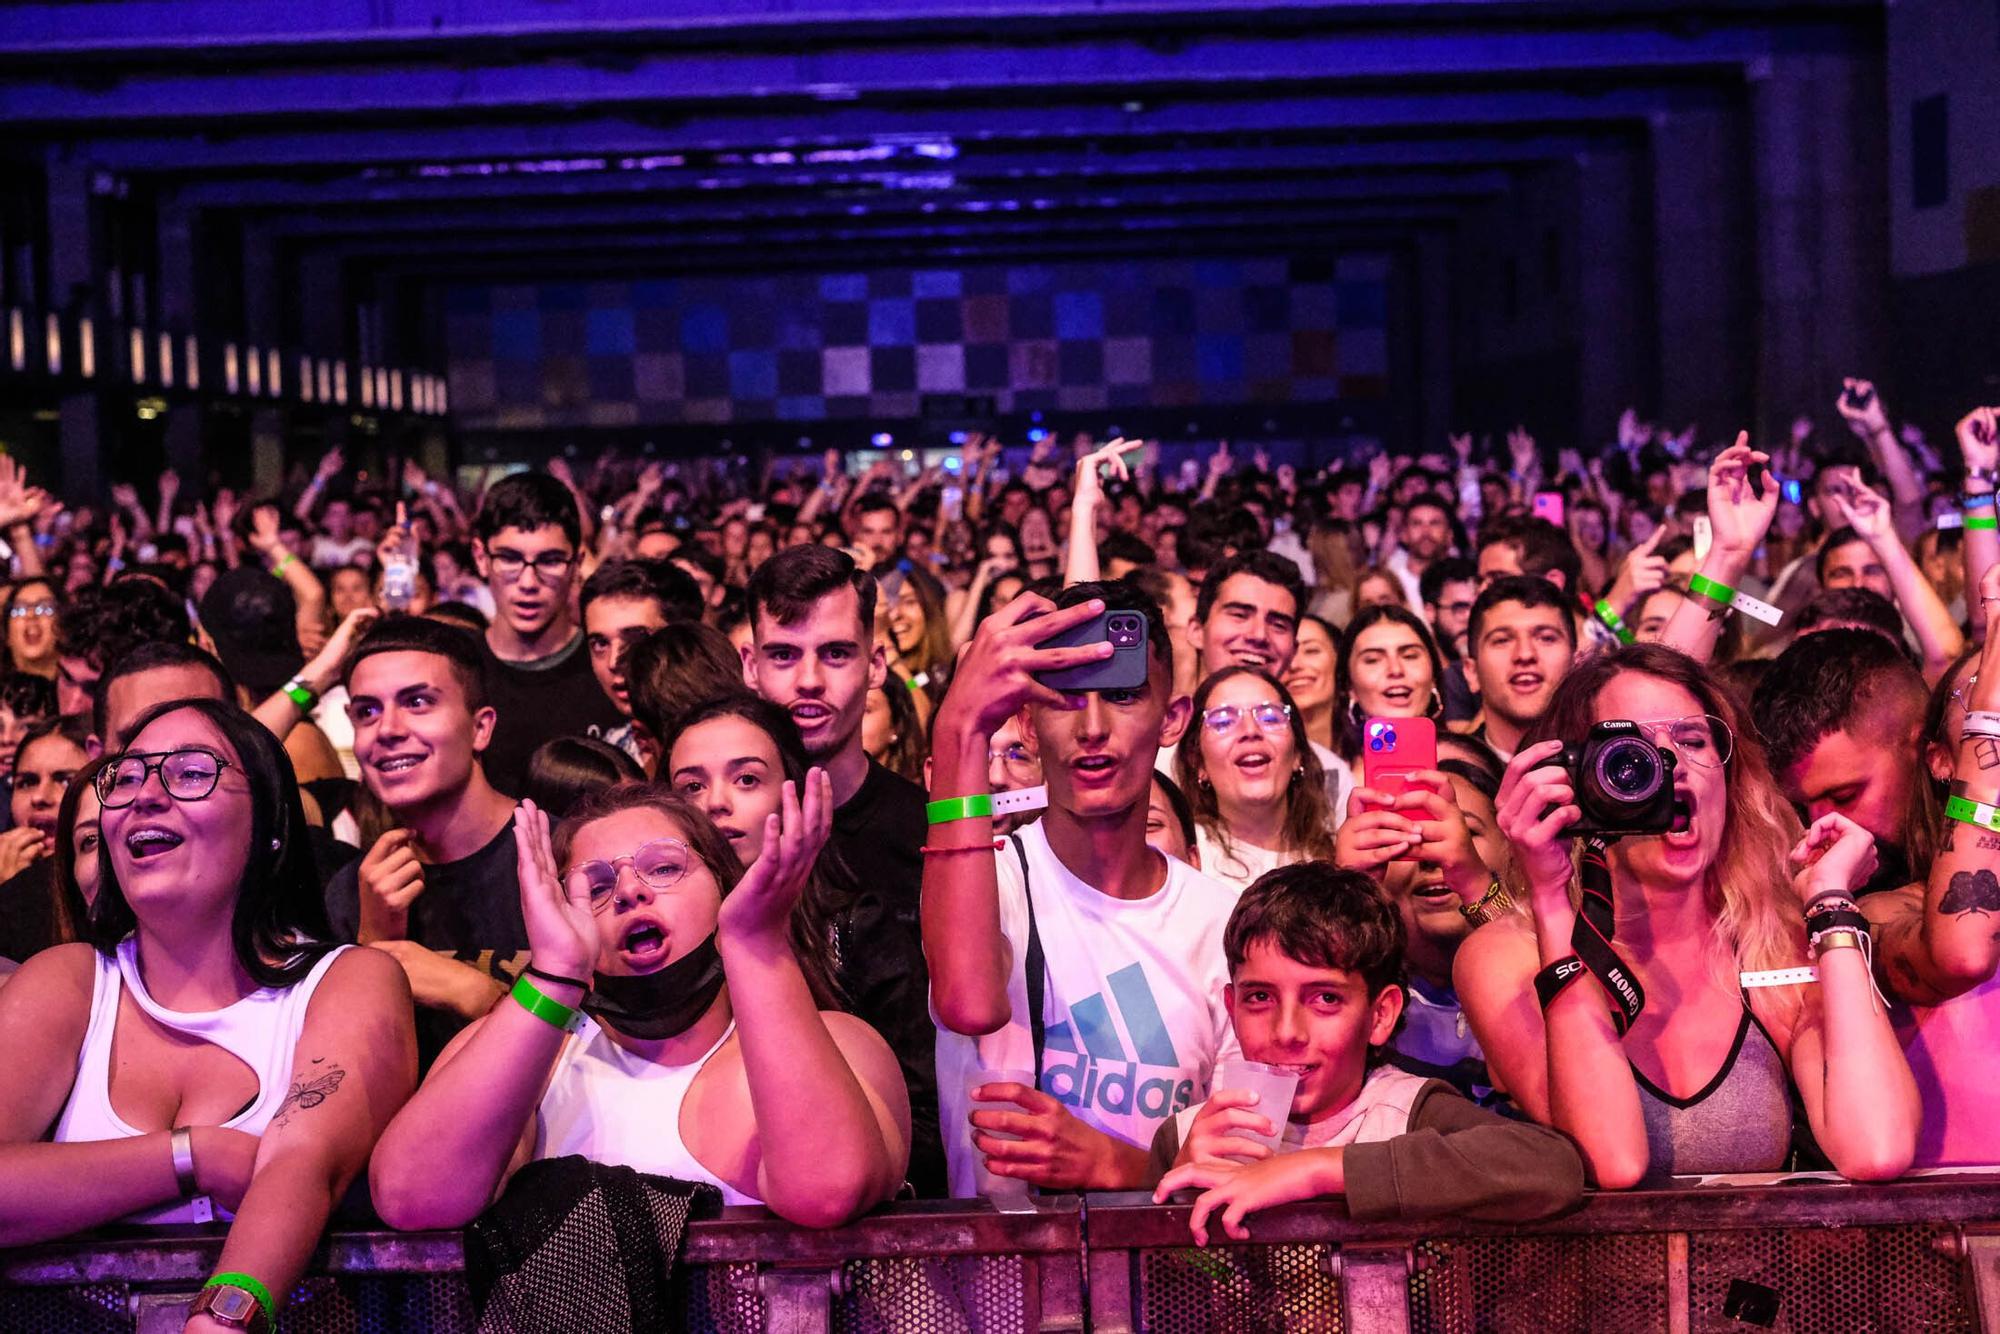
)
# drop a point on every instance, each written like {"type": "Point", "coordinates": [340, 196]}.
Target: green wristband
{"type": "Point", "coordinates": [301, 694]}
{"type": "Point", "coordinates": [255, 1289]}
{"type": "Point", "coordinates": [545, 1008]}
{"type": "Point", "coordinates": [278, 567]}
{"type": "Point", "coordinates": [1712, 589]}
{"type": "Point", "coordinates": [1982, 522]}
{"type": "Point", "coordinates": [1972, 812]}
{"type": "Point", "coordinates": [947, 809]}
{"type": "Point", "coordinates": [1614, 622]}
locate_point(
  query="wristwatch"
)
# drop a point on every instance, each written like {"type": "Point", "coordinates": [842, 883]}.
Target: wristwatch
{"type": "Point", "coordinates": [1491, 905]}
{"type": "Point", "coordinates": [228, 1305]}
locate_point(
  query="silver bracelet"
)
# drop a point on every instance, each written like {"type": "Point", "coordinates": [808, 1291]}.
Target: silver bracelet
{"type": "Point", "coordinates": [182, 1141]}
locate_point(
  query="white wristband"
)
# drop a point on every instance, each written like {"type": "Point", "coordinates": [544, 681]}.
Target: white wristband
{"type": "Point", "coordinates": [1020, 799]}
{"type": "Point", "coordinates": [1778, 977]}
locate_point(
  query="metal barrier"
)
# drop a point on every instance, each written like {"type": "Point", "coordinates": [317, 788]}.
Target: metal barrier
{"type": "Point", "coordinates": [1921, 1255]}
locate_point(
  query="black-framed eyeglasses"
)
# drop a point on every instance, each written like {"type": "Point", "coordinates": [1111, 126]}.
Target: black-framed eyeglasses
{"type": "Point", "coordinates": [187, 774]}
{"type": "Point", "coordinates": [1269, 716]}
{"type": "Point", "coordinates": [660, 864]}
{"type": "Point", "coordinates": [550, 566]}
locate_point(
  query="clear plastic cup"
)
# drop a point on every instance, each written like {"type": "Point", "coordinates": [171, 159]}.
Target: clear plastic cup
{"type": "Point", "coordinates": [997, 1188]}
{"type": "Point", "coordinates": [1274, 1088]}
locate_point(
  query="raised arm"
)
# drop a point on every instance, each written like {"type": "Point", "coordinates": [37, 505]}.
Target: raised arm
{"type": "Point", "coordinates": [1938, 637]}
{"type": "Point", "coordinates": [1083, 567]}
{"type": "Point", "coordinates": [280, 711]}
{"type": "Point", "coordinates": [353, 1067]}
{"type": "Point", "coordinates": [449, 1153]}
{"type": "Point", "coordinates": [307, 591]}
{"type": "Point", "coordinates": [970, 959]}
{"type": "Point", "coordinates": [330, 464]}
{"type": "Point", "coordinates": [1862, 408]}
{"type": "Point", "coordinates": [1844, 1057]}
{"type": "Point", "coordinates": [793, 1055]}
{"type": "Point", "coordinates": [1937, 940]}
{"type": "Point", "coordinates": [1739, 514]}
{"type": "Point", "coordinates": [1979, 445]}
{"type": "Point", "coordinates": [20, 506]}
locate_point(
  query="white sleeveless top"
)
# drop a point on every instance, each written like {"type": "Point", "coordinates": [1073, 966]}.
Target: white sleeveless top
{"type": "Point", "coordinates": [613, 1107]}
{"type": "Point", "coordinates": [261, 1030]}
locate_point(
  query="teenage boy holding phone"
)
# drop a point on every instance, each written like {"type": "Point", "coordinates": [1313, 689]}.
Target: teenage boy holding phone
{"type": "Point", "coordinates": [1127, 944]}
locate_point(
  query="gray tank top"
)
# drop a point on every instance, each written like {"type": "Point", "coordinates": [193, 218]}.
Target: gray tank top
{"type": "Point", "coordinates": [1740, 1122]}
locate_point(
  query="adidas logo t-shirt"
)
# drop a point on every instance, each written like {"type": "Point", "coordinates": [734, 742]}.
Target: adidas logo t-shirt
{"type": "Point", "coordinates": [1135, 1014]}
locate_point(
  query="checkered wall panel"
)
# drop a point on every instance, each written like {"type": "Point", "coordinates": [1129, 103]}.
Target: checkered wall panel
{"type": "Point", "coordinates": [1034, 337]}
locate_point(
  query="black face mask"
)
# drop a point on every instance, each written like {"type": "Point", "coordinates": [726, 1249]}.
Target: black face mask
{"type": "Point", "coordinates": [665, 1004]}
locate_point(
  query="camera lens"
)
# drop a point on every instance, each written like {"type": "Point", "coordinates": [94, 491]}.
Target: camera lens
{"type": "Point", "coordinates": [1629, 770]}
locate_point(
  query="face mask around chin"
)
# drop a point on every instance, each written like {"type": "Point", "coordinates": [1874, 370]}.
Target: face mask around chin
{"type": "Point", "coordinates": [658, 1005]}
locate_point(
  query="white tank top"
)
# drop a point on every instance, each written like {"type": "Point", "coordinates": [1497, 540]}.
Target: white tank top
{"type": "Point", "coordinates": [613, 1107]}
{"type": "Point", "coordinates": [261, 1030]}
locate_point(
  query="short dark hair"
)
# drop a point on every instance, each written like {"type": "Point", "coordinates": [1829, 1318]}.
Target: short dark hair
{"type": "Point", "coordinates": [279, 928]}
{"type": "Point", "coordinates": [145, 658]}
{"type": "Point", "coordinates": [675, 668]}
{"type": "Point", "coordinates": [1259, 564]}
{"type": "Point", "coordinates": [660, 581]}
{"type": "Point", "coordinates": [874, 502]}
{"type": "Point", "coordinates": [564, 769]}
{"type": "Point", "coordinates": [1119, 545]}
{"type": "Point", "coordinates": [26, 695]}
{"type": "Point", "coordinates": [400, 632]}
{"type": "Point", "coordinates": [790, 582]}
{"type": "Point", "coordinates": [1530, 590]}
{"type": "Point", "coordinates": [1323, 916]}
{"type": "Point", "coordinates": [1544, 548]}
{"type": "Point", "coordinates": [1839, 537]}
{"type": "Point", "coordinates": [527, 500]}
{"type": "Point", "coordinates": [1445, 570]}
{"type": "Point", "coordinates": [100, 623]}
{"type": "Point", "coordinates": [1826, 681]}
{"type": "Point", "coordinates": [461, 614]}
{"type": "Point", "coordinates": [1851, 607]}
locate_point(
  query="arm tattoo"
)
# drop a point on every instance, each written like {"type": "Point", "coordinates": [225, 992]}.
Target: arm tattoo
{"type": "Point", "coordinates": [1970, 892]}
{"type": "Point", "coordinates": [309, 1091]}
{"type": "Point", "coordinates": [1986, 752]}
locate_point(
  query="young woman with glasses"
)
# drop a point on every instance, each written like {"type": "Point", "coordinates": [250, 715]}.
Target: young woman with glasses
{"type": "Point", "coordinates": [1258, 792]}
{"type": "Point", "coordinates": [255, 1063]}
{"type": "Point", "coordinates": [1702, 1080]}
{"type": "Point", "coordinates": [32, 608]}
{"type": "Point", "coordinates": [664, 1024]}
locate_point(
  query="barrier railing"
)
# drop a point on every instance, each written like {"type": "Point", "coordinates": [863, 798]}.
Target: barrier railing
{"type": "Point", "coordinates": [1921, 1255]}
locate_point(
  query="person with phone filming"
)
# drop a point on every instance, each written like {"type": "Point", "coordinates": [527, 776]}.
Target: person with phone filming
{"type": "Point", "coordinates": [1258, 792]}
{"type": "Point", "coordinates": [1127, 1019]}
{"type": "Point", "coordinates": [1640, 1006]}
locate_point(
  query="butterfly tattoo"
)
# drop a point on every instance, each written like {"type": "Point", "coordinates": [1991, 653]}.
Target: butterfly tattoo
{"type": "Point", "coordinates": [309, 1092]}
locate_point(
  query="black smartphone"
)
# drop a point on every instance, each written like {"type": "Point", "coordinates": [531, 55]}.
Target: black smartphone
{"type": "Point", "coordinates": [1125, 669]}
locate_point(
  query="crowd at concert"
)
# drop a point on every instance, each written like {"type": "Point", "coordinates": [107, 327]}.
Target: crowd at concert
{"type": "Point", "coordinates": [869, 830]}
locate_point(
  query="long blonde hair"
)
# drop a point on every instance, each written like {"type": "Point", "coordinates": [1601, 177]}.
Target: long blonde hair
{"type": "Point", "coordinates": [1758, 920]}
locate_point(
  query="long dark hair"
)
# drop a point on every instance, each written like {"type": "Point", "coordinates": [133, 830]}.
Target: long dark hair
{"type": "Point", "coordinates": [71, 907]}
{"type": "Point", "coordinates": [1347, 726]}
{"type": "Point", "coordinates": [279, 927]}
{"type": "Point", "coordinates": [811, 930]}
{"type": "Point", "coordinates": [1308, 813]}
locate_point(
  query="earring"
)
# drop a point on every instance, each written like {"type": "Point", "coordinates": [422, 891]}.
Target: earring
{"type": "Point", "coordinates": [275, 844]}
{"type": "Point", "coordinates": [1436, 709]}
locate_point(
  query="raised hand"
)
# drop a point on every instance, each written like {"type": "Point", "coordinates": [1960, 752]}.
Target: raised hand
{"type": "Point", "coordinates": [123, 496]}
{"type": "Point", "coordinates": [1868, 513]}
{"type": "Point", "coordinates": [170, 486]}
{"type": "Point", "coordinates": [760, 908]}
{"type": "Point", "coordinates": [330, 464]}
{"type": "Point", "coordinates": [1220, 462]}
{"type": "Point", "coordinates": [1461, 445]}
{"type": "Point", "coordinates": [995, 676]}
{"type": "Point", "coordinates": [1521, 449]}
{"type": "Point", "coordinates": [1861, 407]}
{"type": "Point", "coordinates": [225, 509]}
{"type": "Point", "coordinates": [414, 476]}
{"type": "Point", "coordinates": [1979, 439]}
{"type": "Point", "coordinates": [264, 538]}
{"type": "Point", "coordinates": [1739, 515]}
{"type": "Point", "coordinates": [391, 879]}
{"type": "Point", "coordinates": [1090, 469]}
{"type": "Point", "coordinates": [562, 926]}
{"type": "Point", "coordinates": [1644, 571]}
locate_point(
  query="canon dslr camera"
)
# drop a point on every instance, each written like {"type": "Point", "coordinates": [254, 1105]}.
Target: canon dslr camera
{"type": "Point", "coordinates": [1624, 783]}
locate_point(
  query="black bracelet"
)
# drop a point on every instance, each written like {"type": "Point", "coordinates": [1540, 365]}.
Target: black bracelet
{"type": "Point", "coordinates": [1554, 979]}
{"type": "Point", "coordinates": [579, 983]}
{"type": "Point", "coordinates": [1845, 897]}
{"type": "Point", "coordinates": [1830, 919]}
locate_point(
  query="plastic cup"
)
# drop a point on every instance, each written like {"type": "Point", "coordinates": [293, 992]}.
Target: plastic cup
{"type": "Point", "coordinates": [1274, 1089]}
{"type": "Point", "coordinates": [1011, 1189]}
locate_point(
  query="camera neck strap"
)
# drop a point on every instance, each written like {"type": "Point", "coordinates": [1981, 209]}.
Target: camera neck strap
{"type": "Point", "coordinates": [1596, 923]}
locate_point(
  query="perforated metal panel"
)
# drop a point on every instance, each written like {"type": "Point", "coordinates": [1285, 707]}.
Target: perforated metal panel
{"type": "Point", "coordinates": [103, 1308]}
{"type": "Point", "coordinates": [985, 1294]}
{"type": "Point", "coordinates": [723, 1299]}
{"type": "Point", "coordinates": [1239, 1288]}
{"type": "Point", "coordinates": [1547, 1285]}
{"type": "Point", "coordinates": [1851, 1280]}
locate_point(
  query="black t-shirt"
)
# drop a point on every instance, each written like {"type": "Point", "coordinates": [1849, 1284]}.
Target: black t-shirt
{"type": "Point", "coordinates": [469, 909]}
{"type": "Point", "coordinates": [536, 702]}
{"type": "Point", "coordinates": [28, 918]}
{"type": "Point", "coordinates": [876, 879]}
